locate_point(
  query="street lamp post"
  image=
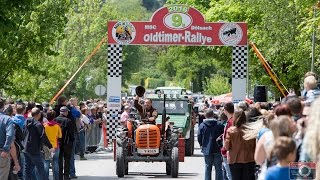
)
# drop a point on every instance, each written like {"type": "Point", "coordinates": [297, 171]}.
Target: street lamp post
{"type": "Point", "coordinates": [87, 79]}
{"type": "Point", "coordinates": [314, 35]}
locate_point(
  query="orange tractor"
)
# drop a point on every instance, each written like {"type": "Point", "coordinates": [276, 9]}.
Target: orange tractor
{"type": "Point", "coordinates": [143, 142]}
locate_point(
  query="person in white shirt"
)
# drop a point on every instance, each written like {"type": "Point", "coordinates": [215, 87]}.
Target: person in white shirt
{"type": "Point", "coordinates": [84, 122]}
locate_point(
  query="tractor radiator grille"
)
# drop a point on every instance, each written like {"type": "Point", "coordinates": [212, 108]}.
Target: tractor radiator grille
{"type": "Point", "coordinates": [147, 138]}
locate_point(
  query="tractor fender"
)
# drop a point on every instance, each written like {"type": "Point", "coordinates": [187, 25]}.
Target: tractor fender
{"type": "Point", "coordinates": [187, 136]}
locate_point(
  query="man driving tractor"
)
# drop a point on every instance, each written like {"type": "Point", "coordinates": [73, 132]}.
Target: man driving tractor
{"type": "Point", "coordinates": [147, 112]}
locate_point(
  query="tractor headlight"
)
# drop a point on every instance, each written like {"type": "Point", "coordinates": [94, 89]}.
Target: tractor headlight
{"type": "Point", "coordinates": [174, 136]}
{"type": "Point", "coordinates": [180, 130]}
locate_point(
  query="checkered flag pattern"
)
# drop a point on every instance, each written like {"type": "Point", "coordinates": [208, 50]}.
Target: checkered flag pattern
{"type": "Point", "coordinates": [113, 118]}
{"type": "Point", "coordinates": [239, 62]}
{"type": "Point", "coordinates": [114, 60]}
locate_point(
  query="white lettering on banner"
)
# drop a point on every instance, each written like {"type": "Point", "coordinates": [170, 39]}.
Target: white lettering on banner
{"type": "Point", "coordinates": [150, 27]}
{"type": "Point", "coordinates": [196, 38]}
{"type": "Point", "coordinates": [188, 37]}
{"type": "Point", "coordinates": [207, 28]}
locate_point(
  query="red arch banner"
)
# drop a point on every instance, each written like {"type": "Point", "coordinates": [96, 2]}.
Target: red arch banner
{"type": "Point", "coordinates": [177, 25]}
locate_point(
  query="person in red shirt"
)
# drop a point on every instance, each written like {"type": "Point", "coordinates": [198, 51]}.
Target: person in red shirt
{"type": "Point", "coordinates": [228, 110]}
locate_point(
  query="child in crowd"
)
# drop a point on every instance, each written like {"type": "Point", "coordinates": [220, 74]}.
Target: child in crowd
{"type": "Point", "coordinates": [285, 151]}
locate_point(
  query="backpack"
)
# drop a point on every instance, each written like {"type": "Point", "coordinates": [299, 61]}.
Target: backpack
{"type": "Point", "coordinates": [28, 129]}
{"type": "Point", "coordinates": [63, 121]}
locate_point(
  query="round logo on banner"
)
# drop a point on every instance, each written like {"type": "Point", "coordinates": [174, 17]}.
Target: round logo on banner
{"type": "Point", "coordinates": [230, 34]}
{"type": "Point", "coordinates": [123, 32]}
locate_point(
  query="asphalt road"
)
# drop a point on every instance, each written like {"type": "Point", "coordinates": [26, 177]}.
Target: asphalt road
{"type": "Point", "coordinates": [100, 166]}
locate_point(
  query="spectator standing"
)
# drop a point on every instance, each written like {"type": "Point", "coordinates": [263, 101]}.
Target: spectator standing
{"type": "Point", "coordinates": [304, 91]}
{"type": "Point", "coordinates": [311, 143]}
{"type": "Point", "coordinates": [100, 129]}
{"type": "Point", "coordinates": [201, 116]}
{"type": "Point", "coordinates": [15, 166]}
{"type": "Point", "coordinates": [281, 126]}
{"type": "Point", "coordinates": [253, 114]}
{"type": "Point", "coordinates": [19, 125]}
{"type": "Point", "coordinates": [61, 101]}
{"type": "Point", "coordinates": [223, 119]}
{"type": "Point", "coordinates": [208, 131]}
{"type": "Point", "coordinates": [125, 115]}
{"type": "Point", "coordinates": [241, 151]}
{"type": "Point", "coordinates": [19, 118]}
{"type": "Point", "coordinates": [84, 122]}
{"type": "Point", "coordinates": [66, 143]}
{"type": "Point", "coordinates": [53, 132]}
{"type": "Point", "coordinates": [74, 116]}
{"type": "Point", "coordinates": [30, 106]}
{"type": "Point", "coordinates": [284, 150]}
{"type": "Point", "coordinates": [312, 92]}
{"type": "Point", "coordinates": [282, 109]}
{"type": "Point", "coordinates": [90, 129]}
{"type": "Point", "coordinates": [95, 120]}
{"type": "Point", "coordinates": [295, 107]}
{"type": "Point", "coordinates": [228, 110]}
{"type": "Point", "coordinates": [35, 136]}
{"type": "Point", "coordinates": [243, 105]}
{"type": "Point", "coordinates": [7, 134]}
{"type": "Point", "coordinates": [266, 123]}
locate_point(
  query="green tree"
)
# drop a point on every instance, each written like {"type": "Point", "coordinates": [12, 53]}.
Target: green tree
{"type": "Point", "coordinates": [281, 29]}
{"type": "Point", "coordinates": [188, 64]}
{"type": "Point", "coordinates": [86, 26]}
{"type": "Point", "coordinates": [28, 29]}
{"type": "Point", "coordinates": [217, 85]}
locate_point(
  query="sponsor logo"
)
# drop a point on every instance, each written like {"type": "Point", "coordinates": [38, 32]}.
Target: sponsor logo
{"type": "Point", "coordinates": [123, 32]}
{"type": "Point", "coordinates": [114, 99]}
{"type": "Point", "coordinates": [114, 115]}
{"type": "Point", "coordinates": [114, 105]}
{"type": "Point", "coordinates": [148, 151]}
{"type": "Point", "coordinates": [302, 170]}
{"type": "Point", "coordinates": [230, 34]}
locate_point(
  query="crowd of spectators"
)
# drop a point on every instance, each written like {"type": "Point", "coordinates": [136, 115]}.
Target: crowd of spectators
{"type": "Point", "coordinates": [35, 137]}
{"type": "Point", "coordinates": [264, 140]}
{"type": "Point", "coordinates": [242, 141]}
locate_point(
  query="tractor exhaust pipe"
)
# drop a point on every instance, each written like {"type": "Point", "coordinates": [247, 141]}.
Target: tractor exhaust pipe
{"type": "Point", "coordinates": [164, 117]}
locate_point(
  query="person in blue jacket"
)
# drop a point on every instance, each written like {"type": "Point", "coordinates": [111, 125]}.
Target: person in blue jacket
{"type": "Point", "coordinates": [208, 132]}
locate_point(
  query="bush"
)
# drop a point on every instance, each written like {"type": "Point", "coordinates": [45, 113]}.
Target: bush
{"type": "Point", "coordinates": [137, 79]}
{"type": "Point", "coordinates": [217, 85]}
{"type": "Point", "coordinates": [153, 83]}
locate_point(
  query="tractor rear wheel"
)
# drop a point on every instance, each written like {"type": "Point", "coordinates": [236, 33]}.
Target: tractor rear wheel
{"type": "Point", "coordinates": [120, 165]}
{"type": "Point", "coordinates": [168, 168]}
{"type": "Point", "coordinates": [175, 162]}
{"type": "Point", "coordinates": [189, 144]}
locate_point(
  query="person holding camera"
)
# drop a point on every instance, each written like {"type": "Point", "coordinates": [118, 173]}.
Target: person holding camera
{"type": "Point", "coordinates": [208, 132]}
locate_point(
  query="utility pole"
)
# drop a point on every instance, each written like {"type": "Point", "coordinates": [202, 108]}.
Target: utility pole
{"type": "Point", "coordinates": [313, 38]}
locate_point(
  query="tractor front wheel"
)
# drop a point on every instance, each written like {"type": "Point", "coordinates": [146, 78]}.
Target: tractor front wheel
{"type": "Point", "coordinates": [175, 162]}
{"type": "Point", "coordinates": [120, 164]}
